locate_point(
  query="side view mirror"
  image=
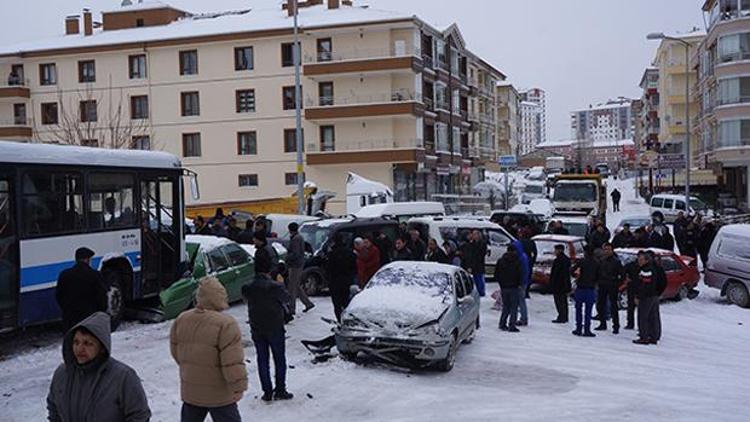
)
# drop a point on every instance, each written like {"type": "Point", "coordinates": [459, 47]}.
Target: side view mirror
{"type": "Point", "coordinates": [466, 300]}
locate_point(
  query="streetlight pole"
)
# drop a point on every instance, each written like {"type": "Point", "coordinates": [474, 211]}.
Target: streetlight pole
{"type": "Point", "coordinates": [661, 36]}
{"type": "Point", "coordinates": [298, 115]}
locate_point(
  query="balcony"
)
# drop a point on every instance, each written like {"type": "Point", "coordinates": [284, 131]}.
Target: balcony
{"type": "Point", "coordinates": [362, 60]}
{"type": "Point", "coordinates": [367, 151]}
{"type": "Point", "coordinates": [736, 100]}
{"type": "Point", "coordinates": [14, 91]}
{"type": "Point", "coordinates": [398, 102]}
{"type": "Point", "coordinates": [15, 128]}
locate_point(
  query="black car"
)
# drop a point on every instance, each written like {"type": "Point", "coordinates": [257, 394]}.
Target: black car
{"type": "Point", "coordinates": [319, 237]}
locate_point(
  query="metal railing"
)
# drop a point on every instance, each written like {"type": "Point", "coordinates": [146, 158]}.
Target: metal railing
{"type": "Point", "coordinates": [365, 145]}
{"type": "Point", "coordinates": [733, 57]}
{"type": "Point", "coordinates": [396, 96]}
{"type": "Point", "coordinates": [735, 100]}
{"type": "Point", "coordinates": [360, 54]}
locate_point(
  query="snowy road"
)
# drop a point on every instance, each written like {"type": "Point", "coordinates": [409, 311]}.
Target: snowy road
{"type": "Point", "coordinates": [697, 373]}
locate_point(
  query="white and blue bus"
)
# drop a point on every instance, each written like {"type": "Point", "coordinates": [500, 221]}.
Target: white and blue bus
{"type": "Point", "coordinates": [126, 205]}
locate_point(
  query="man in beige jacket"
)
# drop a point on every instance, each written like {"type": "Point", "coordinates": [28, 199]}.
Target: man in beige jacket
{"type": "Point", "coordinates": [207, 346]}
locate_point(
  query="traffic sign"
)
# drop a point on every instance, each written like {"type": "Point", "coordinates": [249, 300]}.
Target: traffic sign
{"type": "Point", "coordinates": [672, 161]}
{"type": "Point", "coordinates": [507, 161]}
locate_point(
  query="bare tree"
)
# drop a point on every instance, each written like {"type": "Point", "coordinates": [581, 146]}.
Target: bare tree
{"type": "Point", "coordinates": [107, 125]}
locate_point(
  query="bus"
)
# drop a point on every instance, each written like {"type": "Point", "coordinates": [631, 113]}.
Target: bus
{"type": "Point", "coordinates": [125, 205]}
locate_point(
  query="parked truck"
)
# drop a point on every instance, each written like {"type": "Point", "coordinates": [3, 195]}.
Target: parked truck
{"type": "Point", "coordinates": [580, 194]}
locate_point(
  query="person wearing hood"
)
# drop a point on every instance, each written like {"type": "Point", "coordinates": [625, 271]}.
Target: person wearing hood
{"type": "Point", "coordinates": [80, 290]}
{"type": "Point", "coordinates": [92, 386]}
{"type": "Point", "coordinates": [207, 346]}
{"type": "Point", "coordinates": [560, 283]}
{"type": "Point", "coordinates": [525, 281]}
{"type": "Point", "coordinates": [509, 272]}
{"type": "Point", "coordinates": [265, 305]}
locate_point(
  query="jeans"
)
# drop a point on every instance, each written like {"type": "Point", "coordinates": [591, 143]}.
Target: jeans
{"type": "Point", "coordinates": [340, 299]}
{"type": "Point", "coordinates": [561, 304]}
{"type": "Point", "coordinates": [228, 413]}
{"type": "Point", "coordinates": [583, 297]}
{"type": "Point", "coordinates": [295, 289]}
{"type": "Point", "coordinates": [479, 282]}
{"type": "Point", "coordinates": [276, 343]}
{"type": "Point", "coordinates": [649, 319]}
{"type": "Point", "coordinates": [608, 296]}
{"type": "Point", "coordinates": [510, 306]}
{"type": "Point", "coordinates": [522, 305]}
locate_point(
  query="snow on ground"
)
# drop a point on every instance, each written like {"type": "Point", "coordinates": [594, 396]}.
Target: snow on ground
{"type": "Point", "coordinates": [698, 372]}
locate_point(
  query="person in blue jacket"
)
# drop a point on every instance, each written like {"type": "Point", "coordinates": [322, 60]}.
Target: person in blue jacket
{"type": "Point", "coordinates": [525, 280]}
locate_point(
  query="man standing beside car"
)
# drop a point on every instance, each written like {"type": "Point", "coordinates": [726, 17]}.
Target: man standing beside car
{"type": "Point", "coordinates": [560, 284]}
{"type": "Point", "coordinates": [652, 281]}
{"type": "Point", "coordinates": [586, 272]}
{"type": "Point", "coordinates": [473, 253]}
{"type": "Point", "coordinates": [295, 261]}
{"type": "Point", "coordinates": [341, 268]}
{"type": "Point", "coordinates": [508, 270]}
{"type": "Point", "coordinates": [610, 279]}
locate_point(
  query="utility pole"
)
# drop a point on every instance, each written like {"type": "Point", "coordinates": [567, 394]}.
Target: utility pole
{"type": "Point", "coordinates": [298, 114]}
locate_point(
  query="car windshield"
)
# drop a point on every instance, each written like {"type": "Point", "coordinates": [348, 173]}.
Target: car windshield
{"type": "Point", "coordinates": [534, 189]}
{"type": "Point", "coordinates": [576, 229]}
{"type": "Point", "coordinates": [578, 192]}
{"type": "Point", "coordinates": [697, 204]}
{"type": "Point", "coordinates": [314, 235]}
{"type": "Point", "coordinates": [636, 222]}
{"type": "Point", "coordinates": [546, 249]}
{"type": "Point", "coordinates": [432, 283]}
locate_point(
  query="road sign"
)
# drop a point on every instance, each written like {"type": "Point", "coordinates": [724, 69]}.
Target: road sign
{"type": "Point", "coordinates": [648, 159]}
{"type": "Point", "coordinates": [672, 161]}
{"type": "Point", "coordinates": [507, 161]}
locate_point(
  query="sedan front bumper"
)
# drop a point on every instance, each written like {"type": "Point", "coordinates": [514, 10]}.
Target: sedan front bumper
{"type": "Point", "coordinates": [400, 351]}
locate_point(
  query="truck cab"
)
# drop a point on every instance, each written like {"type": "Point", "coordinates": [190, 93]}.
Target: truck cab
{"type": "Point", "coordinates": [580, 193]}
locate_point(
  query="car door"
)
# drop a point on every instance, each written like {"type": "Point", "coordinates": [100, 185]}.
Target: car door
{"type": "Point", "coordinates": [668, 209]}
{"type": "Point", "coordinates": [497, 244]}
{"type": "Point", "coordinates": [675, 276]}
{"type": "Point", "coordinates": [243, 268]}
{"type": "Point", "coordinates": [462, 308]}
{"type": "Point", "coordinates": [221, 268]}
{"type": "Point", "coordinates": [472, 314]}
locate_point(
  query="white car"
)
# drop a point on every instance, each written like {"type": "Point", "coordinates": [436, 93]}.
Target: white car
{"type": "Point", "coordinates": [532, 191]}
{"type": "Point", "coordinates": [670, 205]}
{"type": "Point", "coordinates": [575, 225]}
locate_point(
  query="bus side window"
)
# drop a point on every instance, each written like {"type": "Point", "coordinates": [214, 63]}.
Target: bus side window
{"type": "Point", "coordinates": [52, 203]}
{"type": "Point", "coordinates": [110, 200]}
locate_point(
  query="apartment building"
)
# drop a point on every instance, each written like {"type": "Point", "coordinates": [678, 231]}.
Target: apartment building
{"type": "Point", "coordinates": [384, 94]}
{"type": "Point", "coordinates": [538, 96]}
{"type": "Point", "coordinates": [648, 123]}
{"type": "Point", "coordinates": [722, 96]}
{"type": "Point", "coordinates": [670, 61]}
{"type": "Point", "coordinates": [509, 118]}
{"type": "Point", "coordinates": [609, 121]}
{"type": "Point", "coordinates": [531, 127]}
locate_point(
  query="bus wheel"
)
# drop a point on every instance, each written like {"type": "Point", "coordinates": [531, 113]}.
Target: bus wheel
{"type": "Point", "coordinates": [115, 299]}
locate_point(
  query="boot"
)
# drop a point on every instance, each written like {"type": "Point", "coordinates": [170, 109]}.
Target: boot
{"type": "Point", "coordinates": [630, 327]}
{"type": "Point", "coordinates": [642, 341]}
{"type": "Point", "coordinates": [601, 327]}
{"type": "Point", "coordinates": [576, 332]}
{"type": "Point", "coordinates": [267, 397]}
{"type": "Point", "coordinates": [282, 394]}
{"type": "Point", "coordinates": [616, 330]}
{"type": "Point", "coordinates": [588, 334]}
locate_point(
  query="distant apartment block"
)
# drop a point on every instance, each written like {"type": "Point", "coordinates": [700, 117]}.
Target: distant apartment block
{"type": "Point", "coordinates": [509, 118]}
{"type": "Point", "coordinates": [609, 121]}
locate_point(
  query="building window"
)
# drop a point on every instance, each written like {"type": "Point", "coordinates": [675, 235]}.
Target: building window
{"type": "Point", "coordinates": [245, 101]}
{"type": "Point", "coordinates": [243, 58]}
{"type": "Point", "coordinates": [139, 107]}
{"type": "Point", "coordinates": [290, 140]}
{"type": "Point", "coordinates": [47, 74]}
{"type": "Point", "coordinates": [287, 54]}
{"type": "Point", "coordinates": [191, 144]}
{"type": "Point", "coordinates": [189, 62]}
{"type": "Point", "coordinates": [288, 98]}
{"type": "Point", "coordinates": [190, 103]}
{"type": "Point", "coordinates": [325, 93]}
{"type": "Point", "coordinates": [290, 179]}
{"type": "Point", "coordinates": [19, 114]}
{"type": "Point", "coordinates": [86, 71]}
{"type": "Point", "coordinates": [137, 66]}
{"type": "Point", "coordinates": [139, 23]}
{"type": "Point", "coordinates": [88, 111]}
{"type": "Point", "coordinates": [247, 180]}
{"type": "Point", "coordinates": [49, 114]}
{"type": "Point", "coordinates": [142, 142]}
{"type": "Point", "coordinates": [327, 138]}
{"type": "Point", "coordinates": [247, 143]}
{"type": "Point", "coordinates": [93, 143]}
{"type": "Point", "coordinates": [325, 50]}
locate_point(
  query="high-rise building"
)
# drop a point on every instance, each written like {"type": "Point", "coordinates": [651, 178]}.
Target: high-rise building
{"type": "Point", "coordinates": [538, 96]}
{"type": "Point", "coordinates": [531, 127]}
{"type": "Point", "coordinates": [610, 121]}
{"type": "Point", "coordinates": [384, 94]}
{"type": "Point", "coordinates": [722, 97]}
{"type": "Point", "coordinates": [646, 114]}
{"type": "Point", "coordinates": [509, 118]}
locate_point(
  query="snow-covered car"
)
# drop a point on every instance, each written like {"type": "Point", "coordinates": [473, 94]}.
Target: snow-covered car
{"type": "Point", "coordinates": [412, 314]}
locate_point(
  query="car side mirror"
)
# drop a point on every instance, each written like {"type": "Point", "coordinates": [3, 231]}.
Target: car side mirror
{"type": "Point", "coordinates": [466, 300]}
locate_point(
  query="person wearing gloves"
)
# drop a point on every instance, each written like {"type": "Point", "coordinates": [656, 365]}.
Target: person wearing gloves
{"type": "Point", "coordinates": [207, 346]}
{"type": "Point", "coordinates": [91, 385]}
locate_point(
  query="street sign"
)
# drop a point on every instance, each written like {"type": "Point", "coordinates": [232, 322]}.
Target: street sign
{"type": "Point", "coordinates": [507, 161]}
{"type": "Point", "coordinates": [648, 159]}
{"type": "Point", "coordinates": [672, 161]}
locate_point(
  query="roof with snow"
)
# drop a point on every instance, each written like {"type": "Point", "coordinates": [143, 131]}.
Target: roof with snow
{"type": "Point", "coordinates": [556, 144]}
{"type": "Point", "coordinates": [146, 5]}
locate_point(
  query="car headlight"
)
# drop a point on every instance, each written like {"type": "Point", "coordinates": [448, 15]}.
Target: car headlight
{"type": "Point", "coordinates": [428, 329]}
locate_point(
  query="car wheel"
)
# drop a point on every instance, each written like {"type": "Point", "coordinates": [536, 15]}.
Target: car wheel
{"type": "Point", "coordinates": [447, 364]}
{"type": "Point", "coordinates": [311, 282]}
{"type": "Point", "coordinates": [737, 294]}
{"type": "Point", "coordinates": [682, 293]}
{"type": "Point", "coordinates": [115, 299]}
{"type": "Point", "coordinates": [622, 300]}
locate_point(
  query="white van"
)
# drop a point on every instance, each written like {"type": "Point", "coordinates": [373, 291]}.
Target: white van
{"type": "Point", "coordinates": [671, 204]}
{"type": "Point", "coordinates": [457, 230]}
{"type": "Point", "coordinates": [402, 211]}
{"type": "Point", "coordinates": [728, 267]}
{"type": "Point", "coordinates": [533, 190]}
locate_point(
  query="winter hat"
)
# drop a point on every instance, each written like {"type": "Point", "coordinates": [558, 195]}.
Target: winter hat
{"type": "Point", "coordinates": [84, 253]}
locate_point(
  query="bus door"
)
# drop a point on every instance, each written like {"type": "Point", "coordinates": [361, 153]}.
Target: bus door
{"type": "Point", "coordinates": [8, 254]}
{"type": "Point", "coordinates": [160, 233]}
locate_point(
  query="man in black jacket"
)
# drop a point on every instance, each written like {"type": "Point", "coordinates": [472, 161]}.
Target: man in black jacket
{"type": "Point", "coordinates": [529, 246]}
{"type": "Point", "coordinates": [652, 281]}
{"type": "Point", "coordinates": [610, 279]}
{"type": "Point", "coordinates": [265, 305]}
{"type": "Point", "coordinates": [624, 239]}
{"type": "Point", "coordinates": [508, 273]}
{"type": "Point", "coordinates": [80, 290]}
{"type": "Point", "coordinates": [340, 269]}
{"type": "Point", "coordinates": [401, 252]}
{"type": "Point", "coordinates": [295, 261]}
{"type": "Point", "coordinates": [599, 236]}
{"type": "Point", "coordinates": [586, 272]}
{"type": "Point", "coordinates": [473, 253]}
{"type": "Point", "coordinates": [560, 283]}
{"type": "Point", "coordinates": [632, 270]}
{"type": "Point", "coordinates": [384, 245]}
{"type": "Point", "coordinates": [416, 245]}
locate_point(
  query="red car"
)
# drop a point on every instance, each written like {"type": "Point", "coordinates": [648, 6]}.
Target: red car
{"type": "Point", "coordinates": [545, 246]}
{"type": "Point", "coordinates": [682, 272]}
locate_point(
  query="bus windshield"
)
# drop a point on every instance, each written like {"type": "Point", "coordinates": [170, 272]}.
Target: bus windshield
{"type": "Point", "coordinates": [575, 192]}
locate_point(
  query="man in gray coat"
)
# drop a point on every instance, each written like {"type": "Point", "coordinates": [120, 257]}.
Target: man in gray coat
{"type": "Point", "coordinates": [92, 386]}
{"type": "Point", "coordinates": [295, 260]}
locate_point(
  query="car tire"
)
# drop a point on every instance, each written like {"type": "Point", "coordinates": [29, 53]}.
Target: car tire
{"type": "Point", "coordinates": [446, 364]}
{"type": "Point", "coordinates": [115, 298]}
{"type": "Point", "coordinates": [682, 293]}
{"type": "Point", "coordinates": [312, 282]}
{"type": "Point", "coordinates": [737, 293]}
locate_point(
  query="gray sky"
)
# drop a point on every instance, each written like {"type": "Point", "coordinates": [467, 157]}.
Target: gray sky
{"type": "Point", "coordinates": [580, 51]}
